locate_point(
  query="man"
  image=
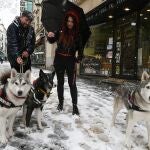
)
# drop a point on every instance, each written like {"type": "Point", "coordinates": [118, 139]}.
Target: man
{"type": "Point", "coordinates": [52, 16]}
{"type": "Point", "coordinates": [21, 42]}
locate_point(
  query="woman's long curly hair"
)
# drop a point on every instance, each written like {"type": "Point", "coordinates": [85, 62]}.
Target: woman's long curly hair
{"type": "Point", "coordinates": [68, 36]}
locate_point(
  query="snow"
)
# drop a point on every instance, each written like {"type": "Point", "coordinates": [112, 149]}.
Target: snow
{"type": "Point", "coordinates": [92, 131]}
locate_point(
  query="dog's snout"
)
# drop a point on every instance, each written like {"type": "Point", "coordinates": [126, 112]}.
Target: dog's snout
{"type": "Point", "coordinates": [19, 93]}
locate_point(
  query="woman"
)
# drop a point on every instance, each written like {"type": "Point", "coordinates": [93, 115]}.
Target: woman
{"type": "Point", "coordinates": [68, 43]}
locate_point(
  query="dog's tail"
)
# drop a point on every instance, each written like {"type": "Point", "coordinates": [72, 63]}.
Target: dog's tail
{"type": "Point", "coordinates": [4, 76]}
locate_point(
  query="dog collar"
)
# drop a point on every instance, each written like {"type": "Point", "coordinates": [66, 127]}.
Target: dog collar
{"type": "Point", "coordinates": [44, 92]}
{"type": "Point", "coordinates": [7, 104]}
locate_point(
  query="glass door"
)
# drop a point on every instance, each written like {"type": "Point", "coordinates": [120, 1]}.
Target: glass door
{"type": "Point", "coordinates": [125, 47]}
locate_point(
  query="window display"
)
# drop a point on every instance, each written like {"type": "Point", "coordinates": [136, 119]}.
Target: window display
{"type": "Point", "coordinates": [99, 51]}
{"type": "Point", "coordinates": [144, 41]}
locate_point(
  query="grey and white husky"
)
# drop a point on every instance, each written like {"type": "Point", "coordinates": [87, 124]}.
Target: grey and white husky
{"type": "Point", "coordinates": [12, 96]}
{"type": "Point", "coordinates": [136, 99]}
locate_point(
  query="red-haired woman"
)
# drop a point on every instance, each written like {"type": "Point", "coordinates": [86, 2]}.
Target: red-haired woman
{"type": "Point", "coordinates": [68, 43]}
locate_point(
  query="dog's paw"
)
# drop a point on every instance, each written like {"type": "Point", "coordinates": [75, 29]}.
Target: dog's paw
{"type": "Point", "coordinates": [43, 123]}
{"type": "Point", "coordinates": [11, 133]}
{"type": "Point", "coordinates": [3, 140]}
{"type": "Point", "coordinates": [112, 124]}
{"type": "Point", "coordinates": [7, 135]}
{"type": "Point", "coordinates": [128, 145]}
{"type": "Point", "coordinates": [22, 125]}
{"type": "Point", "coordinates": [41, 127]}
{"type": "Point", "coordinates": [28, 130]}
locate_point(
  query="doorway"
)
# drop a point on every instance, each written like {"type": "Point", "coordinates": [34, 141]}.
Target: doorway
{"type": "Point", "coordinates": [125, 56]}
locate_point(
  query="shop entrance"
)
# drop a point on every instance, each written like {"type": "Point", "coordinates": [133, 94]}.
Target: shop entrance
{"type": "Point", "coordinates": [125, 58]}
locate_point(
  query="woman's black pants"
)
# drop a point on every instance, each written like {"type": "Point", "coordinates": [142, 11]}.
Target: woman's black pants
{"type": "Point", "coordinates": [66, 64]}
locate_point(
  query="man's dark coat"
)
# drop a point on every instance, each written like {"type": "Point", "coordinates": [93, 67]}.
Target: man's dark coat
{"type": "Point", "coordinates": [19, 39]}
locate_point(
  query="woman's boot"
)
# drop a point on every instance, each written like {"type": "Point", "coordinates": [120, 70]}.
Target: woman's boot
{"type": "Point", "coordinates": [60, 105]}
{"type": "Point", "coordinates": [75, 110]}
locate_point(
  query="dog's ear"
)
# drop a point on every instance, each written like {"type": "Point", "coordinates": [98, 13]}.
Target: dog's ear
{"type": "Point", "coordinates": [13, 73]}
{"type": "Point", "coordinates": [41, 73]}
{"type": "Point", "coordinates": [145, 76]}
{"type": "Point", "coordinates": [27, 75]}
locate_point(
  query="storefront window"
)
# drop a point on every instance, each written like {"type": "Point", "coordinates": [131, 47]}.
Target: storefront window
{"type": "Point", "coordinates": [144, 42]}
{"type": "Point", "coordinates": [99, 51]}
{"type": "Point", "coordinates": [125, 46]}
{"type": "Point", "coordinates": [38, 57]}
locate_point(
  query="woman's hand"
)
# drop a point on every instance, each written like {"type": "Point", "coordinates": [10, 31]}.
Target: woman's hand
{"type": "Point", "coordinates": [25, 54]}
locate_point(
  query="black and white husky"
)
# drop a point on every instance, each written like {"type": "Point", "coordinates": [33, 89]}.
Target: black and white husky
{"type": "Point", "coordinates": [136, 99]}
{"type": "Point", "coordinates": [12, 96]}
{"type": "Point", "coordinates": [37, 97]}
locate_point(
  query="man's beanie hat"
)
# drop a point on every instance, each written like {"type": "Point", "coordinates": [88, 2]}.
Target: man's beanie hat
{"type": "Point", "coordinates": [28, 14]}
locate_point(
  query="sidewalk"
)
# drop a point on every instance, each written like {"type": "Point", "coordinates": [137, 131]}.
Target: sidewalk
{"type": "Point", "coordinates": [62, 131]}
{"type": "Point", "coordinates": [109, 80]}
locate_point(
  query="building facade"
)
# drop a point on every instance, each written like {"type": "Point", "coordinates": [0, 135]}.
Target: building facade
{"type": "Point", "coordinates": [22, 6]}
{"type": "Point", "coordinates": [26, 5]}
{"type": "Point", "coordinates": [44, 52]}
{"type": "Point", "coordinates": [3, 40]}
{"type": "Point", "coordinates": [119, 43]}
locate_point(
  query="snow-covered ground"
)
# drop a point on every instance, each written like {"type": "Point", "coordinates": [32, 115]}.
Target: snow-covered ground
{"type": "Point", "coordinates": [92, 131]}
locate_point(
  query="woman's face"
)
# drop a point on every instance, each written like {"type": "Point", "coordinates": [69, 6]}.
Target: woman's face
{"type": "Point", "coordinates": [70, 23]}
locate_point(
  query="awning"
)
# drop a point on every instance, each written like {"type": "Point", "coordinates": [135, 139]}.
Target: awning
{"type": "Point", "coordinates": [113, 9]}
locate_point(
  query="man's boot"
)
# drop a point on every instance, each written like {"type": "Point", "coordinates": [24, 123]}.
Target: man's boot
{"type": "Point", "coordinates": [75, 110]}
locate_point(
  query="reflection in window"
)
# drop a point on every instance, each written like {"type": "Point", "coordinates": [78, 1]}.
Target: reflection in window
{"type": "Point", "coordinates": [98, 51]}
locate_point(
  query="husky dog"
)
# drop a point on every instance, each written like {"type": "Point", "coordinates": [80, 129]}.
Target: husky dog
{"type": "Point", "coordinates": [37, 97]}
{"type": "Point", "coordinates": [12, 96]}
{"type": "Point", "coordinates": [136, 99]}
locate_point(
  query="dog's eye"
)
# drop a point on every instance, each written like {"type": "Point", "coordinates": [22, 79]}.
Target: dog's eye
{"type": "Point", "coordinates": [148, 87]}
{"type": "Point", "coordinates": [23, 83]}
{"type": "Point", "coordinates": [16, 83]}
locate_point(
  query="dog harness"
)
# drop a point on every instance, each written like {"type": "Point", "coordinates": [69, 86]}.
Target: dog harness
{"type": "Point", "coordinates": [131, 90]}
{"type": "Point", "coordinates": [4, 102]}
{"type": "Point", "coordinates": [131, 96]}
{"type": "Point", "coordinates": [131, 102]}
{"type": "Point", "coordinates": [36, 100]}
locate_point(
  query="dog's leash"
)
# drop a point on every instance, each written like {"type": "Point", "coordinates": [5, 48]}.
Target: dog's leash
{"type": "Point", "coordinates": [21, 65]}
{"type": "Point", "coordinates": [21, 68]}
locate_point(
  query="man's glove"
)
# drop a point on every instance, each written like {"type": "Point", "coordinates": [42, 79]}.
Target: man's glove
{"type": "Point", "coordinates": [19, 60]}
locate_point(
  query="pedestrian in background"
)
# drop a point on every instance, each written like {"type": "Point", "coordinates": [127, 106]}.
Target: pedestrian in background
{"type": "Point", "coordinates": [21, 41]}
